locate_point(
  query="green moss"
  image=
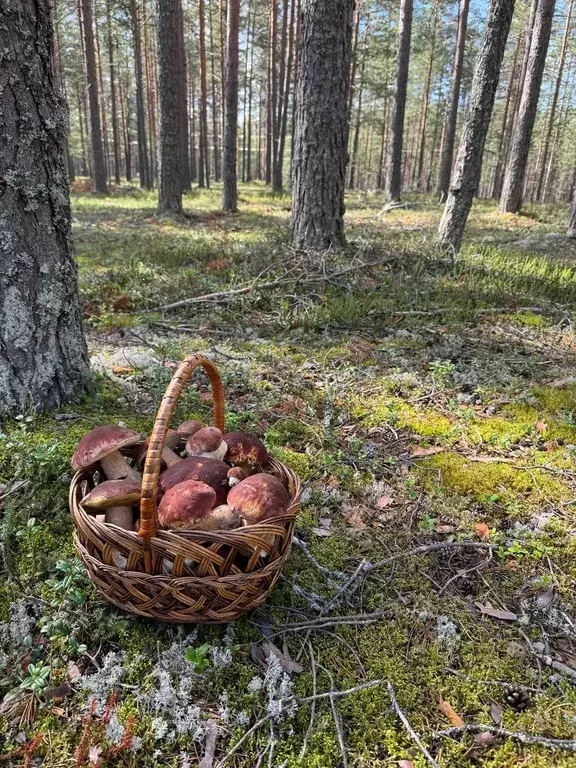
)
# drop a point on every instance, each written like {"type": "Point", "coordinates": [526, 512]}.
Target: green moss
{"type": "Point", "coordinates": [496, 481]}
{"type": "Point", "coordinates": [301, 463]}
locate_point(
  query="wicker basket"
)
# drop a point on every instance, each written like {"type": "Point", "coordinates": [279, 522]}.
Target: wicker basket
{"type": "Point", "coordinates": [182, 576]}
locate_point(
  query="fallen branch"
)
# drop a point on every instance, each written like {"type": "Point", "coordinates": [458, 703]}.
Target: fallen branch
{"type": "Point", "coordinates": [524, 738]}
{"type": "Point", "coordinates": [255, 285]}
{"type": "Point", "coordinates": [500, 683]}
{"type": "Point", "coordinates": [306, 700]}
{"type": "Point", "coordinates": [357, 619]}
{"type": "Point", "coordinates": [564, 669]}
{"type": "Point", "coordinates": [412, 733]}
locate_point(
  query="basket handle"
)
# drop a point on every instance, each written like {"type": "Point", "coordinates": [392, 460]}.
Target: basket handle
{"type": "Point", "coordinates": [163, 417]}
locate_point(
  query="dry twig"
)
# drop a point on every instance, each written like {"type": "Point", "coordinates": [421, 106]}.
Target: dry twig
{"type": "Point", "coordinates": [413, 735]}
{"type": "Point", "coordinates": [524, 738]}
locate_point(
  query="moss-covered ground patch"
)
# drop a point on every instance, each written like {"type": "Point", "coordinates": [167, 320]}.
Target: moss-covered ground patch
{"type": "Point", "coordinates": [424, 402]}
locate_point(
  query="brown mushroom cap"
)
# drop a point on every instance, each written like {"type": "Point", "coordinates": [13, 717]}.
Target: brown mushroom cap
{"type": "Point", "coordinates": [258, 498]}
{"type": "Point", "coordinates": [207, 442]}
{"type": "Point", "coordinates": [113, 493]}
{"type": "Point", "coordinates": [205, 470]}
{"type": "Point", "coordinates": [168, 456]}
{"type": "Point", "coordinates": [186, 505]}
{"type": "Point", "coordinates": [190, 427]}
{"type": "Point", "coordinates": [245, 449]}
{"type": "Point", "coordinates": [101, 442]}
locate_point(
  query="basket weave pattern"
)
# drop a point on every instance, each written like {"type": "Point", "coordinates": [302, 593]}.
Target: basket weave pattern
{"type": "Point", "coordinates": [182, 576]}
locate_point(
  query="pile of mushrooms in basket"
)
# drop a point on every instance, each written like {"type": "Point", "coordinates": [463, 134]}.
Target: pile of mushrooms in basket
{"type": "Point", "coordinates": [210, 481]}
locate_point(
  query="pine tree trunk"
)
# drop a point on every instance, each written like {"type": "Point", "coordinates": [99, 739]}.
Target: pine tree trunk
{"type": "Point", "coordinates": [552, 111]}
{"type": "Point", "coordinates": [271, 93]}
{"type": "Point", "coordinates": [102, 97]}
{"type": "Point", "coordinates": [426, 100]}
{"type": "Point", "coordinates": [43, 355]}
{"type": "Point", "coordinates": [192, 102]}
{"type": "Point", "coordinates": [383, 141]}
{"type": "Point", "coordinates": [394, 176]}
{"type": "Point", "coordinates": [321, 136]}
{"type": "Point", "coordinates": [572, 216]}
{"type": "Point", "coordinates": [152, 107]}
{"type": "Point", "coordinates": [466, 175]}
{"type": "Point", "coordinates": [143, 163]}
{"type": "Point", "coordinates": [126, 134]}
{"type": "Point", "coordinates": [204, 173]}
{"type": "Point", "coordinates": [283, 119]}
{"type": "Point", "coordinates": [112, 66]}
{"type": "Point", "coordinates": [279, 104]}
{"type": "Point", "coordinates": [85, 170]}
{"type": "Point", "coordinates": [215, 119]}
{"type": "Point", "coordinates": [356, 138]}
{"type": "Point", "coordinates": [183, 88]}
{"type": "Point", "coordinates": [98, 164]}
{"type": "Point", "coordinates": [230, 189]}
{"type": "Point", "coordinates": [511, 200]}
{"type": "Point", "coordinates": [169, 72]}
{"type": "Point", "coordinates": [450, 130]}
{"type": "Point", "coordinates": [496, 189]}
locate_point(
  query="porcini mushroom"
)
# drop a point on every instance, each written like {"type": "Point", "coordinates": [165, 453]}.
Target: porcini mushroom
{"type": "Point", "coordinates": [190, 427]}
{"type": "Point", "coordinates": [222, 518]}
{"type": "Point", "coordinates": [245, 450]}
{"type": "Point", "coordinates": [186, 505]}
{"type": "Point", "coordinates": [237, 474]}
{"type": "Point", "coordinates": [258, 498]}
{"type": "Point", "coordinates": [117, 498]}
{"type": "Point", "coordinates": [205, 470]}
{"type": "Point", "coordinates": [207, 442]}
{"type": "Point", "coordinates": [103, 444]}
{"type": "Point", "coordinates": [169, 458]}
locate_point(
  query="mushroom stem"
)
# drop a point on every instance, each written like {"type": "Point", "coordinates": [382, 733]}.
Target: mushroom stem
{"type": "Point", "coordinates": [120, 516]}
{"type": "Point", "coordinates": [170, 457]}
{"type": "Point", "coordinates": [116, 468]}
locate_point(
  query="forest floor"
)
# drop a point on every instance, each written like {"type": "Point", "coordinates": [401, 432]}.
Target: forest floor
{"type": "Point", "coordinates": [424, 402]}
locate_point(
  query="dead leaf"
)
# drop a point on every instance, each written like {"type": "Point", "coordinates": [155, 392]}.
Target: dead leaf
{"type": "Point", "coordinates": [94, 754]}
{"type": "Point", "coordinates": [541, 426]}
{"type": "Point", "coordinates": [216, 265]}
{"type": "Point", "coordinates": [58, 693]}
{"type": "Point", "coordinates": [544, 600]}
{"type": "Point", "coordinates": [482, 530]}
{"type": "Point", "coordinates": [558, 383]}
{"type": "Point", "coordinates": [405, 764]}
{"type": "Point", "coordinates": [450, 712]}
{"type": "Point", "coordinates": [73, 671]}
{"type": "Point", "coordinates": [495, 713]}
{"type": "Point", "coordinates": [488, 609]}
{"type": "Point", "coordinates": [440, 528]}
{"type": "Point", "coordinates": [551, 445]}
{"type": "Point", "coordinates": [355, 519]}
{"type": "Point", "coordinates": [484, 739]}
{"type": "Point", "coordinates": [122, 370]}
{"type": "Point", "coordinates": [122, 302]}
{"type": "Point", "coordinates": [261, 654]}
{"type": "Point", "coordinates": [324, 533]}
{"type": "Point", "coordinates": [383, 501]}
{"type": "Point", "coordinates": [420, 451]}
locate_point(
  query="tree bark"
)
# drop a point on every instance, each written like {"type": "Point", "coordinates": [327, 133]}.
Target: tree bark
{"type": "Point", "coordinates": [143, 163]}
{"type": "Point", "coordinates": [419, 166]}
{"type": "Point", "coordinates": [43, 355]}
{"type": "Point", "coordinates": [204, 171]}
{"type": "Point", "coordinates": [216, 124]}
{"type": "Point", "coordinates": [230, 188]}
{"type": "Point", "coordinates": [183, 89]}
{"type": "Point", "coordinates": [151, 92]}
{"type": "Point", "coordinates": [511, 200]}
{"type": "Point", "coordinates": [552, 115]}
{"type": "Point", "coordinates": [111, 64]}
{"type": "Point", "coordinates": [321, 136]}
{"type": "Point", "coordinates": [357, 122]}
{"type": "Point", "coordinates": [394, 176]}
{"type": "Point", "coordinates": [502, 150]}
{"type": "Point", "coordinates": [572, 216]}
{"type": "Point", "coordinates": [283, 119]}
{"type": "Point", "coordinates": [170, 169]}
{"type": "Point", "coordinates": [468, 166]}
{"type": "Point", "coordinates": [450, 130]}
{"type": "Point", "coordinates": [98, 164]}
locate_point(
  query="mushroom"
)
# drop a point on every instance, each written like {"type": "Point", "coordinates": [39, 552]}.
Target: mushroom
{"type": "Point", "coordinates": [169, 458]}
{"type": "Point", "coordinates": [205, 470]}
{"type": "Point", "coordinates": [190, 427]}
{"type": "Point", "coordinates": [222, 518]}
{"type": "Point", "coordinates": [103, 444]}
{"type": "Point", "coordinates": [117, 498]}
{"type": "Point", "coordinates": [245, 450]}
{"type": "Point", "coordinates": [207, 442]}
{"type": "Point", "coordinates": [186, 505]}
{"type": "Point", "coordinates": [258, 498]}
{"type": "Point", "coordinates": [236, 475]}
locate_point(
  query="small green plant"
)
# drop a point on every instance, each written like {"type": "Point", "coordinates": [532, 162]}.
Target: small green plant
{"type": "Point", "coordinates": [199, 658]}
{"type": "Point", "coordinates": [427, 523]}
{"type": "Point", "coordinates": [442, 370]}
{"type": "Point", "coordinates": [68, 588]}
{"type": "Point", "coordinates": [37, 679]}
